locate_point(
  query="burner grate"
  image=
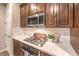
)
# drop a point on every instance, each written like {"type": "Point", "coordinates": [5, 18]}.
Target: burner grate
{"type": "Point", "coordinates": [35, 41]}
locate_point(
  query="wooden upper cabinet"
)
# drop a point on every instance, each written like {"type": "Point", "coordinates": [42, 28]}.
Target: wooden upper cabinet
{"type": "Point", "coordinates": [76, 15]}
{"type": "Point", "coordinates": [65, 15]}
{"type": "Point", "coordinates": [50, 15]}
{"type": "Point", "coordinates": [36, 8]}
{"type": "Point", "coordinates": [26, 14]}
{"type": "Point", "coordinates": [59, 15]}
{"type": "Point", "coordinates": [40, 7]}
{"type": "Point", "coordinates": [23, 14]}
{"type": "Point", "coordinates": [32, 8]}
{"type": "Point", "coordinates": [28, 10]}
{"type": "Point", "coordinates": [56, 14]}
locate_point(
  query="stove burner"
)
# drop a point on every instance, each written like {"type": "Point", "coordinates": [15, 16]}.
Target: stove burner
{"type": "Point", "coordinates": [36, 41]}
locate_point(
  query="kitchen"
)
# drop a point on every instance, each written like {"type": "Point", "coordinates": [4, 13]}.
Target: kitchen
{"type": "Point", "coordinates": [50, 17]}
{"type": "Point", "coordinates": [44, 29]}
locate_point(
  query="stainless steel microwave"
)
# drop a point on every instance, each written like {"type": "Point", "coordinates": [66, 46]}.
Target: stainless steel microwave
{"type": "Point", "coordinates": [36, 20]}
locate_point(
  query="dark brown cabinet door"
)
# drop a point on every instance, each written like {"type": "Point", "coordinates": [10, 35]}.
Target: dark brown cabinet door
{"type": "Point", "coordinates": [50, 15]}
{"type": "Point", "coordinates": [26, 15]}
{"type": "Point", "coordinates": [23, 15]}
{"type": "Point", "coordinates": [35, 8]}
{"type": "Point", "coordinates": [59, 15]}
{"type": "Point", "coordinates": [28, 10]}
{"type": "Point", "coordinates": [17, 48]}
{"type": "Point", "coordinates": [32, 9]}
{"type": "Point", "coordinates": [76, 15]}
{"type": "Point", "coordinates": [56, 14]}
{"type": "Point", "coordinates": [64, 15]}
{"type": "Point", "coordinates": [74, 39]}
{"type": "Point", "coordinates": [40, 7]}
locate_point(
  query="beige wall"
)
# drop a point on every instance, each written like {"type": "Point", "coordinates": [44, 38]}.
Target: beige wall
{"type": "Point", "coordinates": [15, 15]}
{"type": "Point", "coordinates": [9, 41]}
{"type": "Point", "coordinates": [2, 26]}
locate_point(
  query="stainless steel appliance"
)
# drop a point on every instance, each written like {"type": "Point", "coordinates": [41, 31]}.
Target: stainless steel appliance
{"type": "Point", "coordinates": [36, 41]}
{"type": "Point", "coordinates": [29, 51]}
{"type": "Point", "coordinates": [36, 20]}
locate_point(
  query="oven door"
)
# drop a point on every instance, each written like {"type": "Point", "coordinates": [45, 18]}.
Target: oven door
{"type": "Point", "coordinates": [29, 51]}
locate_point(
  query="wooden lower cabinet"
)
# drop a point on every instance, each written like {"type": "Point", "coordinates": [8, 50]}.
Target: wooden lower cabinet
{"type": "Point", "coordinates": [44, 54]}
{"type": "Point", "coordinates": [33, 51]}
{"type": "Point", "coordinates": [20, 47]}
{"type": "Point", "coordinates": [17, 48]}
{"type": "Point", "coordinates": [74, 39]}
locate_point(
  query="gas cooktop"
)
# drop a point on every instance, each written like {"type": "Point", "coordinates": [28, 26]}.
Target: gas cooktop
{"type": "Point", "coordinates": [36, 41]}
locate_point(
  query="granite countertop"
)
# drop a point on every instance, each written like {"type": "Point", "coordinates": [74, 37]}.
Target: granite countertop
{"type": "Point", "coordinates": [61, 49]}
{"type": "Point", "coordinates": [49, 47]}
